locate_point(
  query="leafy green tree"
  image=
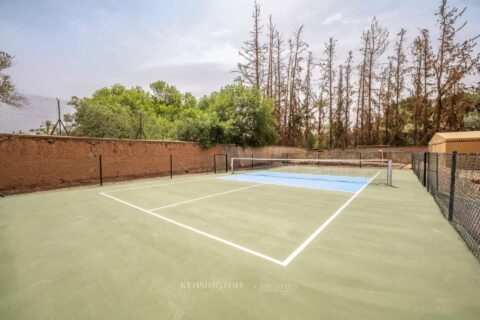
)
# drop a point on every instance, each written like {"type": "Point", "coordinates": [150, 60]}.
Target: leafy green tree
{"type": "Point", "coordinates": [194, 124]}
{"type": "Point", "coordinates": [8, 92]}
{"type": "Point", "coordinates": [472, 120]}
{"type": "Point", "coordinates": [156, 127]}
{"type": "Point", "coordinates": [167, 99]}
{"type": "Point", "coordinates": [245, 117]}
{"type": "Point", "coordinates": [188, 100]}
{"type": "Point", "coordinates": [103, 120]}
{"type": "Point", "coordinates": [134, 99]}
{"type": "Point", "coordinates": [118, 112]}
{"type": "Point", "coordinates": [45, 128]}
{"type": "Point", "coordinates": [236, 114]}
{"type": "Point", "coordinates": [165, 94]}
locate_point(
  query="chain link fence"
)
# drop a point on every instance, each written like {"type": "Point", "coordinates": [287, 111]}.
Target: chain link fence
{"type": "Point", "coordinates": [37, 115]}
{"type": "Point", "coordinates": [454, 182]}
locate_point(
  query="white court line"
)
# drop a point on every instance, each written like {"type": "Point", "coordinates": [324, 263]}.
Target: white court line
{"type": "Point", "coordinates": [205, 197]}
{"type": "Point", "coordinates": [286, 185]}
{"type": "Point", "coordinates": [205, 234]}
{"type": "Point", "coordinates": [297, 251]}
{"type": "Point", "coordinates": [160, 185]}
{"type": "Point", "coordinates": [283, 263]}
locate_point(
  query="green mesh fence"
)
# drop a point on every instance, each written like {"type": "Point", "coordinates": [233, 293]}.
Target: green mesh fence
{"type": "Point", "coordinates": [454, 182]}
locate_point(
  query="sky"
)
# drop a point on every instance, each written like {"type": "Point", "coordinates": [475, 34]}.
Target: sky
{"type": "Point", "coordinates": [72, 48]}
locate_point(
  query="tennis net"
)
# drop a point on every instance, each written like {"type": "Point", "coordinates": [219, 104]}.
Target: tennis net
{"type": "Point", "coordinates": [378, 171]}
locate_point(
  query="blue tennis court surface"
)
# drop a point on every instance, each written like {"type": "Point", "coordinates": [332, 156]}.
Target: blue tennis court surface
{"type": "Point", "coordinates": [313, 181]}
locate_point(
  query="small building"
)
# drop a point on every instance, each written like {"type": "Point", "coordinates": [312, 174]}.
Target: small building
{"type": "Point", "coordinates": [461, 142]}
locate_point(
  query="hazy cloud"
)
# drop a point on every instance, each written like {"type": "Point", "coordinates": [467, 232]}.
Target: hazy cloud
{"type": "Point", "coordinates": [73, 48]}
{"type": "Point", "coordinates": [333, 18]}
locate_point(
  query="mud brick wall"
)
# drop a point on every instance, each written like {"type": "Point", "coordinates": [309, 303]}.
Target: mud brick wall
{"type": "Point", "coordinates": [402, 155]}
{"type": "Point", "coordinates": [31, 163]}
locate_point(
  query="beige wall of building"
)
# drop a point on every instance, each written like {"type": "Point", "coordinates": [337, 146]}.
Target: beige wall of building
{"type": "Point", "coordinates": [461, 142]}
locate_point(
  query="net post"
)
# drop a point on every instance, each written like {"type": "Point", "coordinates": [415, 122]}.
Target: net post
{"type": "Point", "coordinates": [171, 167]}
{"type": "Point", "coordinates": [453, 170]}
{"type": "Point", "coordinates": [252, 161]}
{"type": "Point", "coordinates": [231, 165]}
{"type": "Point", "coordinates": [287, 158]}
{"type": "Point", "coordinates": [425, 169]}
{"type": "Point", "coordinates": [100, 171]}
{"type": "Point", "coordinates": [215, 164]}
{"type": "Point", "coordinates": [360, 160]}
{"type": "Point", "coordinates": [389, 172]}
{"type": "Point", "coordinates": [226, 162]}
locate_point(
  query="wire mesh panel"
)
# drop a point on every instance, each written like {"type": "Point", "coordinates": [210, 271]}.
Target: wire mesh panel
{"type": "Point", "coordinates": [454, 182]}
{"type": "Point", "coordinates": [418, 166]}
{"type": "Point", "coordinates": [466, 204]}
{"type": "Point", "coordinates": [38, 115]}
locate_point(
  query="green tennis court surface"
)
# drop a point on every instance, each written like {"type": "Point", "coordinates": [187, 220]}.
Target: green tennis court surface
{"type": "Point", "coordinates": [207, 248]}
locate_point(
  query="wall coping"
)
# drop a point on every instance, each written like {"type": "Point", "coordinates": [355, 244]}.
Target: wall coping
{"type": "Point", "coordinates": [4, 136]}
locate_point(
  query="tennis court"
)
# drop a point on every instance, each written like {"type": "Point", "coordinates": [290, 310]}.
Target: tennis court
{"type": "Point", "coordinates": [276, 239]}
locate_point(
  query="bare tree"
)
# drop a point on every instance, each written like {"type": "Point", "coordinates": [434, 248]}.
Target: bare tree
{"type": "Point", "coordinates": [308, 99]}
{"type": "Point", "coordinates": [279, 80]}
{"type": "Point", "coordinates": [360, 120]}
{"type": "Point", "coordinates": [253, 52]}
{"type": "Point", "coordinates": [417, 54]}
{"type": "Point", "coordinates": [328, 77]}
{"type": "Point", "coordinates": [339, 124]}
{"type": "Point", "coordinates": [271, 50]}
{"type": "Point", "coordinates": [298, 47]}
{"type": "Point", "coordinates": [453, 59]}
{"type": "Point", "coordinates": [348, 96]}
{"type": "Point", "coordinates": [377, 37]}
{"type": "Point", "coordinates": [400, 60]}
{"type": "Point", "coordinates": [387, 100]}
{"type": "Point", "coordinates": [427, 74]}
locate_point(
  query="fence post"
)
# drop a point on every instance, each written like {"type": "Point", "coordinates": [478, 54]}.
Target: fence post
{"type": "Point", "coordinates": [171, 167]}
{"type": "Point", "coordinates": [226, 162]}
{"type": "Point", "coordinates": [436, 174]}
{"type": "Point", "coordinates": [425, 169]}
{"type": "Point", "coordinates": [100, 171]}
{"type": "Point", "coordinates": [452, 185]}
{"type": "Point", "coordinates": [215, 164]}
{"type": "Point", "coordinates": [428, 173]}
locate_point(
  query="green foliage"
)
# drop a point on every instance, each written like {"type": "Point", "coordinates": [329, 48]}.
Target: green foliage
{"type": "Point", "coordinates": [245, 118]}
{"type": "Point", "coordinates": [200, 126]}
{"type": "Point", "coordinates": [472, 120]}
{"type": "Point", "coordinates": [462, 112]}
{"type": "Point", "coordinates": [103, 121]}
{"type": "Point", "coordinates": [45, 128]}
{"type": "Point", "coordinates": [237, 114]}
{"type": "Point", "coordinates": [8, 92]}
